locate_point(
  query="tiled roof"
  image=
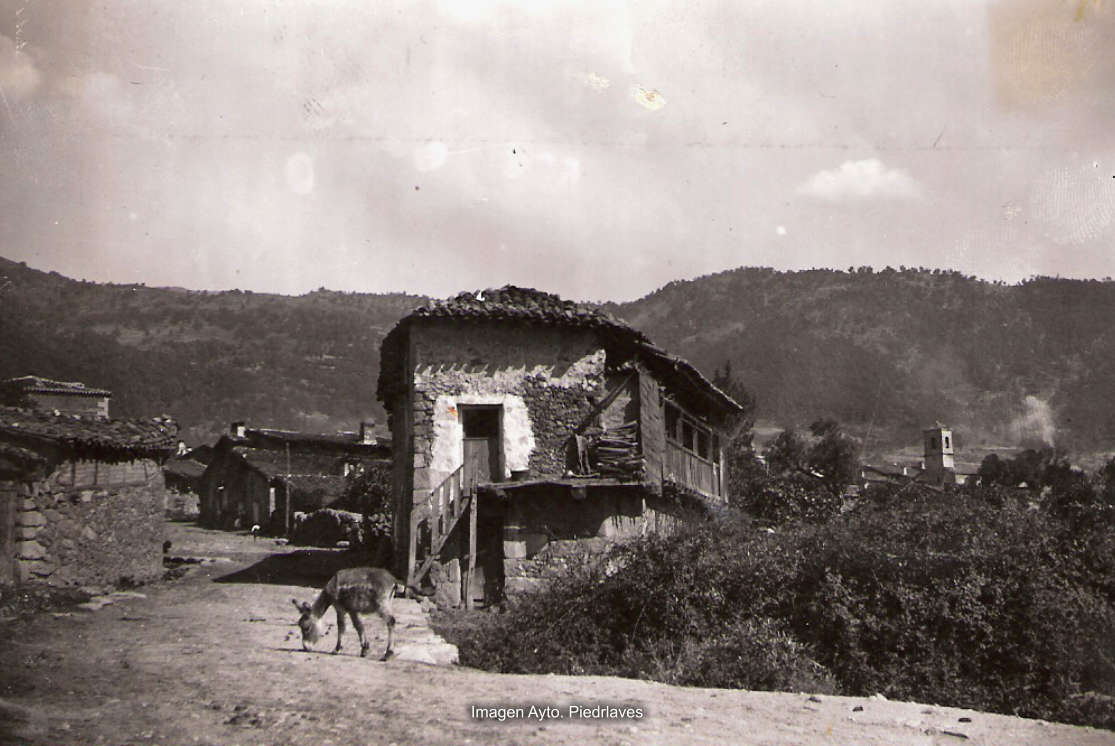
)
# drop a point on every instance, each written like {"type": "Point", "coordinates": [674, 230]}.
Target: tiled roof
{"type": "Point", "coordinates": [40, 385]}
{"type": "Point", "coordinates": [186, 468]}
{"type": "Point", "coordinates": [511, 303]}
{"type": "Point", "coordinates": [343, 442]}
{"type": "Point", "coordinates": [20, 455]}
{"type": "Point", "coordinates": [89, 435]}
{"type": "Point", "coordinates": [273, 462]}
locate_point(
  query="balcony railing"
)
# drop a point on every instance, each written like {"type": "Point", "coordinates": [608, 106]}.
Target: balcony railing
{"type": "Point", "coordinates": [690, 470]}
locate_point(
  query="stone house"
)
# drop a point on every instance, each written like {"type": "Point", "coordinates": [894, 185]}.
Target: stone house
{"type": "Point", "coordinates": [183, 475]}
{"type": "Point", "coordinates": [252, 470]}
{"type": "Point", "coordinates": [69, 397]}
{"type": "Point", "coordinates": [530, 432]}
{"type": "Point", "coordinates": [81, 497]}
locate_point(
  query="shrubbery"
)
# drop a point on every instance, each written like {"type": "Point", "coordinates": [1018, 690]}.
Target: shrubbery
{"type": "Point", "coordinates": [687, 609]}
{"type": "Point", "coordinates": [948, 598]}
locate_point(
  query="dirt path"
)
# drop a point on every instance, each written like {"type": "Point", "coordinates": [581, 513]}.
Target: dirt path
{"type": "Point", "coordinates": [213, 658]}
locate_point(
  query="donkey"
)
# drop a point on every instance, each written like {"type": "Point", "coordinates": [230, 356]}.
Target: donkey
{"type": "Point", "coordinates": [355, 591]}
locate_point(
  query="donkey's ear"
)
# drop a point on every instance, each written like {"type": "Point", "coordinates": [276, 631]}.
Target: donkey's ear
{"type": "Point", "coordinates": [296, 604]}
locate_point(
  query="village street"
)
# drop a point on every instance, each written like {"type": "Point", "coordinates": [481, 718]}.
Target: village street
{"type": "Point", "coordinates": [214, 658]}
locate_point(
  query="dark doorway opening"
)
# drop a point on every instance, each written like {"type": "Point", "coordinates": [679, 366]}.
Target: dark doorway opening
{"type": "Point", "coordinates": [482, 435]}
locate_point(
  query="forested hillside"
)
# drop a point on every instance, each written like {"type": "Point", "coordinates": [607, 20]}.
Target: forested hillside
{"type": "Point", "coordinates": [896, 350]}
{"type": "Point", "coordinates": [887, 350]}
{"type": "Point", "coordinates": [205, 358]}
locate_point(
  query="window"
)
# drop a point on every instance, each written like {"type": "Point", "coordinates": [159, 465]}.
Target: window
{"type": "Point", "coordinates": [672, 417]}
{"type": "Point", "coordinates": [687, 435]}
{"type": "Point", "coordinates": [690, 434]}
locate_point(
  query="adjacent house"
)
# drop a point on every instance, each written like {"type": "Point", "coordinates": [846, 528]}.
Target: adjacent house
{"type": "Point", "coordinates": [81, 497]}
{"type": "Point", "coordinates": [253, 470]}
{"type": "Point", "coordinates": [530, 432]}
{"type": "Point", "coordinates": [69, 397]}
{"type": "Point", "coordinates": [183, 475]}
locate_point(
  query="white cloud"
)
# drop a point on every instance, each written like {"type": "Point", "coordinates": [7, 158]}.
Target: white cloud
{"type": "Point", "coordinates": [18, 75]}
{"type": "Point", "coordinates": [864, 179]}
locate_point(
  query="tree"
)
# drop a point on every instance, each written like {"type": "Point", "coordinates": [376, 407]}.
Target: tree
{"type": "Point", "coordinates": [741, 464]}
{"type": "Point", "coordinates": [992, 470]}
{"type": "Point", "coordinates": [368, 489]}
{"type": "Point", "coordinates": [732, 386]}
{"type": "Point", "coordinates": [831, 458]}
{"type": "Point", "coordinates": [787, 454]}
{"type": "Point", "coordinates": [834, 455]}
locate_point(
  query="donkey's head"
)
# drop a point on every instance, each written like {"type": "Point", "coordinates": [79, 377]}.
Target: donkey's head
{"type": "Point", "coordinates": [313, 629]}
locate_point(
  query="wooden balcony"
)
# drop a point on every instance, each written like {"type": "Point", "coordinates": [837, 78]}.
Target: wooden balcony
{"type": "Point", "coordinates": [687, 469]}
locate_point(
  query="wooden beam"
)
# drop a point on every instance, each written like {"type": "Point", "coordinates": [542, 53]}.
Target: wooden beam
{"type": "Point", "coordinates": [470, 572]}
{"type": "Point", "coordinates": [603, 404]}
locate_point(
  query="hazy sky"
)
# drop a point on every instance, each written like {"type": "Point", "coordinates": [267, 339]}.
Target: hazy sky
{"type": "Point", "coordinates": [595, 149]}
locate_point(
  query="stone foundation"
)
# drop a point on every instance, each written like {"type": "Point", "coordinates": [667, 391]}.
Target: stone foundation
{"type": "Point", "coordinates": [99, 536]}
{"type": "Point", "coordinates": [548, 534]}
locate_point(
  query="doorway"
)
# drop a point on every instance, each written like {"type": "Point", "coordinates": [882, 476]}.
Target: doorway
{"type": "Point", "coordinates": [483, 463]}
{"type": "Point", "coordinates": [482, 438]}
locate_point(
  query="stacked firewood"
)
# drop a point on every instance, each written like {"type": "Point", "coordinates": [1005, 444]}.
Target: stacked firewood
{"type": "Point", "coordinates": [616, 453]}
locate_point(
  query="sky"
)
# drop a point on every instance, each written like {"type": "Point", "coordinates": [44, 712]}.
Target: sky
{"type": "Point", "coordinates": [594, 149]}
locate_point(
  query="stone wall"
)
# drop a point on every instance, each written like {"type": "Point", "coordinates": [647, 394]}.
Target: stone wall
{"type": "Point", "coordinates": [182, 506]}
{"type": "Point", "coordinates": [99, 535]}
{"type": "Point", "coordinates": [96, 406]}
{"type": "Point", "coordinates": [543, 377]}
{"type": "Point", "coordinates": [549, 533]}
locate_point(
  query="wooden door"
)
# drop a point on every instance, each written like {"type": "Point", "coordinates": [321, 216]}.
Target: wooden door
{"type": "Point", "coordinates": [481, 461]}
{"type": "Point", "coordinates": [481, 426]}
{"type": "Point", "coordinates": [8, 498]}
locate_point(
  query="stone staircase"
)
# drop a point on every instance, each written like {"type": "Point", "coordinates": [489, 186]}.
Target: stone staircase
{"type": "Point", "coordinates": [414, 640]}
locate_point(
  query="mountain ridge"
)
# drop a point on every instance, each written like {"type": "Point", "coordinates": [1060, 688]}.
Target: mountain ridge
{"type": "Point", "coordinates": [885, 351]}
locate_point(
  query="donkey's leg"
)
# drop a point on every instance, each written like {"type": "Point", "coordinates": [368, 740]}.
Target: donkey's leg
{"type": "Point", "coordinates": [390, 622]}
{"type": "Point", "coordinates": [340, 628]}
{"type": "Point", "coordinates": [358, 623]}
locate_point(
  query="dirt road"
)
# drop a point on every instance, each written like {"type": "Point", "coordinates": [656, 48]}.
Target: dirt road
{"type": "Point", "coordinates": [214, 658]}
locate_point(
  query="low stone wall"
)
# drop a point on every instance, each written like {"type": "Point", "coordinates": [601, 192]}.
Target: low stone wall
{"type": "Point", "coordinates": [548, 534]}
{"type": "Point", "coordinates": [555, 559]}
{"type": "Point", "coordinates": [99, 536]}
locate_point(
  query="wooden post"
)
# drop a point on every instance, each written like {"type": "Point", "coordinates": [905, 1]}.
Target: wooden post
{"type": "Point", "coordinates": [288, 490]}
{"type": "Point", "coordinates": [470, 566]}
{"type": "Point", "coordinates": [412, 546]}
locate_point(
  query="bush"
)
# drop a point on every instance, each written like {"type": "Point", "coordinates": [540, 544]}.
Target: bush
{"type": "Point", "coordinates": [779, 500]}
{"type": "Point", "coordinates": [948, 599]}
{"type": "Point", "coordinates": [940, 597]}
{"type": "Point", "coordinates": [688, 609]}
{"type": "Point", "coordinates": [325, 527]}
